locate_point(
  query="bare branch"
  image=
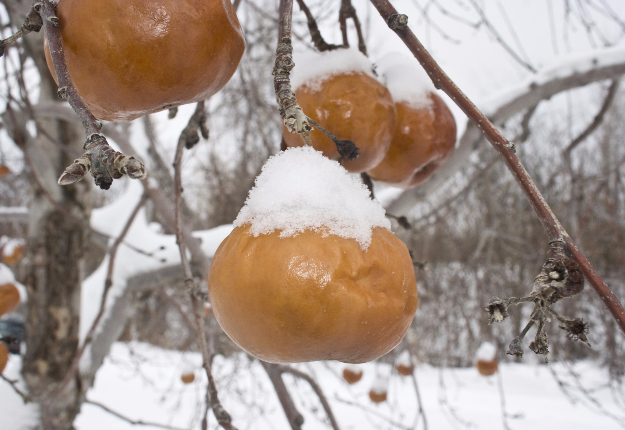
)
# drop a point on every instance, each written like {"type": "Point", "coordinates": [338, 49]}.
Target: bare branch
{"type": "Point", "coordinates": [197, 296]}
{"type": "Point", "coordinates": [315, 34]}
{"type": "Point", "coordinates": [294, 417]}
{"type": "Point", "coordinates": [316, 388]}
{"type": "Point", "coordinates": [103, 161]}
{"type": "Point", "coordinates": [25, 397]}
{"type": "Point", "coordinates": [554, 229]}
{"type": "Point", "coordinates": [33, 22]}
{"type": "Point", "coordinates": [128, 420]}
{"type": "Point", "coordinates": [607, 102]}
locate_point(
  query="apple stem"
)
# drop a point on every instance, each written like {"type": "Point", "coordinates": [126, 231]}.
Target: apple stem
{"type": "Point", "coordinates": [103, 161]}
{"type": "Point", "coordinates": [555, 231]}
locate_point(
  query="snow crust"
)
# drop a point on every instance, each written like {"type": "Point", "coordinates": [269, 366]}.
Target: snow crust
{"type": "Point", "coordinates": [312, 68]}
{"type": "Point", "coordinates": [406, 80]}
{"type": "Point", "coordinates": [300, 189]}
{"type": "Point", "coordinates": [486, 352]}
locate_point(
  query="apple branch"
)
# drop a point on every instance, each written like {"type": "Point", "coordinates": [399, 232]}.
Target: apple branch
{"type": "Point", "coordinates": [553, 227]}
{"type": "Point", "coordinates": [315, 34]}
{"type": "Point", "coordinates": [104, 163]}
{"type": "Point", "coordinates": [292, 114]}
{"type": "Point", "coordinates": [33, 22]}
{"type": "Point", "coordinates": [197, 295]}
{"type": "Point", "coordinates": [346, 12]}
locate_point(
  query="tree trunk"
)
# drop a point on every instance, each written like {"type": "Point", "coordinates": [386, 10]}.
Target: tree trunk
{"type": "Point", "coordinates": [56, 243]}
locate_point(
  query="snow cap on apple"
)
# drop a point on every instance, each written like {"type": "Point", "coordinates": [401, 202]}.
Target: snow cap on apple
{"type": "Point", "coordinates": [300, 189]}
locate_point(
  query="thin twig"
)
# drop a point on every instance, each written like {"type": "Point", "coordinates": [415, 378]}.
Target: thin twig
{"type": "Point", "coordinates": [104, 163]}
{"type": "Point", "coordinates": [555, 230]}
{"type": "Point", "coordinates": [346, 12]}
{"type": "Point", "coordinates": [131, 421]}
{"type": "Point", "coordinates": [33, 22]}
{"type": "Point", "coordinates": [25, 397]}
{"type": "Point", "coordinates": [502, 399]}
{"type": "Point", "coordinates": [419, 402]}
{"type": "Point", "coordinates": [222, 416]}
{"type": "Point", "coordinates": [596, 122]}
{"type": "Point", "coordinates": [315, 34]}
{"type": "Point", "coordinates": [316, 388]}
{"type": "Point", "coordinates": [107, 286]}
{"type": "Point", "coordinates": [294, 417]}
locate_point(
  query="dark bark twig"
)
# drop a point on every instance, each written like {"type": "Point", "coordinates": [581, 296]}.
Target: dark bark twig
{"type": "Point", "coordinates": [197, 297]}
{"type": "Point", "coordinates": [33, 22]}
{"type": "Point", "coordinates": [346, 12]}
{"type": "Point", "coordinates": [25, 397]}
{"type": "Point", "coordinates": [108, 283]}
{"type": "Point", "coordinates": [316, 388]}
{"type": "Point", "coordinates": [555, 230]}
{"type": "Point", "coordinates": [104, 163]}
{"type": "Point", "coordinates": [596, 122]}
{"type": "Point", "coordinates": [293, 416]}
{"type": "Point", "coordinates": [294, 118]}
{"type": "Point", "coordinates": [315, 34]}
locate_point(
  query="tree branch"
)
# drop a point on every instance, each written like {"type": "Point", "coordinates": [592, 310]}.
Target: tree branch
{"type": "Point", "coordinates": [294, 417]}
{"type": "Point", "coordinates": [316, 388]}
{"type": "Point", "coordinates": [554, 229]}
{"type": "Point", "coordinates": [607, 102]}
{"type": "Point", "coordinates": [104, 163]}
{"type": "Point", "coordinates": [197, 296]}
{"type": "Point", "coordinates": [128, 420]}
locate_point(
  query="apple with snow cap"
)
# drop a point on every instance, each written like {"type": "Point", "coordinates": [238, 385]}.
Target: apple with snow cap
{"type": "Point", "coordinates": [486, 359]}
{"type": "Point", "coordinates": [311, 270]}
{"type": "Point", "coordinates": [339, 90]}
{"type": "Point", "coordinates": [425, 129]}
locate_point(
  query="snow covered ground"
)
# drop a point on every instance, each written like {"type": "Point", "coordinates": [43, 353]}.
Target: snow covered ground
{"type": "Point", "coordinates": [143, 383]}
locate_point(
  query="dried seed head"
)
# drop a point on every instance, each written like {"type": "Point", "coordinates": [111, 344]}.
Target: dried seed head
{"type": "Point", "coordinates": [497, 310]}
{"type": "Point", "coordinates": [558, 278]}
{"type": "Point", "coordinates": [540, 345]}
{"type": "Point", "coordinates": [576, 329]}
{"type": "Point", "coordinates": [515, 347]}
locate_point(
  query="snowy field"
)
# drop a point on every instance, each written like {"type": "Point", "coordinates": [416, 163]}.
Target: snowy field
{"type": "Point", "coordinates": [142, 383]}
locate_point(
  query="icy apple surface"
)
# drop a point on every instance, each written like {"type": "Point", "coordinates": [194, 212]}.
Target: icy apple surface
{"type": "Point", "coordinates": [311, 270]}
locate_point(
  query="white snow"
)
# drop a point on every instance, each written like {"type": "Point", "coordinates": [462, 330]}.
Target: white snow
{"type": "Point", "coordinates": [312, 68]}
{"type": "Point", "coordinates": [380, 384]}
{"type": "Point", "coordinates": [356, 368]}
{"type": "Point", "coordinates": [403, 359]}
{"type": "Point", "coordinates": [486, 352]}
{"type": "Point", "coordinates": [142, 382]}
{"type": "Point", "coordinates": [300, 189]}
{"type": "Point", "coordinates": [406, 80]}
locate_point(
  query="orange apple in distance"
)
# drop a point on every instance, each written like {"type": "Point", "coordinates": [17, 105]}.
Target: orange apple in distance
{"type": "Point", "coordinates": [486, 368]}
{"type": "Point", "coordinates": [187, 377]}
{"type": "Point", "coordinates": [4, 356]}
{"type": "Point", "coordinates": [350, 103]}
{"type": "Point", "coordinates": [352, 374]}
{"type": "Point", "coordinates": [311, 270]}
{"type": "Point", "coordinates": [378, 391]}
{"type": "Point", "coordinates": [9, 298]}
{"type": "Point", "coordinates": [425, 130]}
{"type": "Point", "coordinates": [128, 58]}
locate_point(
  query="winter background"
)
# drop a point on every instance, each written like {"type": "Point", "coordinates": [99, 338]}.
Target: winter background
{"type": "Point", "coordinates": [483, 243]}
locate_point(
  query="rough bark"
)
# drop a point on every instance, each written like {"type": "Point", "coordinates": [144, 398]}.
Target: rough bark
{"type": "Point", "coordinates": [55, 248]}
